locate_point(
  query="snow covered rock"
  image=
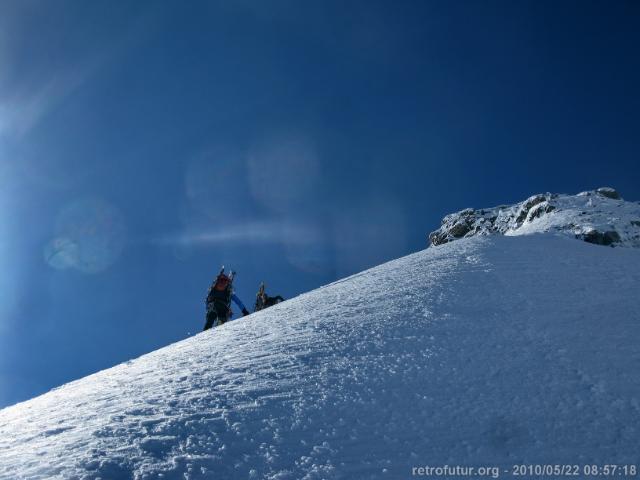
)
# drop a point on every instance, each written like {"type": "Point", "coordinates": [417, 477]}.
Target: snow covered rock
{"type": "Point", "coordinates": [487, 351]}
{"type": "Point", "coordinates": [600, 216]}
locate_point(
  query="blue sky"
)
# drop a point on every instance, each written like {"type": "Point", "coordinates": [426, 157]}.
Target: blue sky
{"type": "Point", "coordinates": [144, 144]}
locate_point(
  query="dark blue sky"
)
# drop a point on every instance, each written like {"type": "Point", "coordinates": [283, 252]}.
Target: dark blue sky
{"type": "Point", "coordinates": [144, 144]}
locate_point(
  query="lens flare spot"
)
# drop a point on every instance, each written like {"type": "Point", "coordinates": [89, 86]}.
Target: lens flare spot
{"type": "Point", "coordinates": [283, 172]}
{"type": "Point", "coordinates": [89, 237]}
{"type": "Point", "coordinates": [61, 253]}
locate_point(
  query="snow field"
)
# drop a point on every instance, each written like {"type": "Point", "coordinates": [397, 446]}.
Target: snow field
{"type": "Point", "coordinates": [484, 351]}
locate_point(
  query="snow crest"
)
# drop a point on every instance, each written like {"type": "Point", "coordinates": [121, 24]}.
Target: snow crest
{"type": "Point", "coordinates": [485, 351]}
{"type": "Point", "coordinates": [600, 216]}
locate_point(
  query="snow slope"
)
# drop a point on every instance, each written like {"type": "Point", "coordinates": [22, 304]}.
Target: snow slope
{"type": "Point", "coordinates": [491, 350]}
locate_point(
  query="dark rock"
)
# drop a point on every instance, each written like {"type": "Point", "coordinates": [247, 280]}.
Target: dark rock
{"type": "Point", "coordinates": [635, 222]}
{"type": "Point", "coordinates": [460, 229]}
{"type": "Point", "coordinates": [598, 238]}
{"type": "Point", "coordinates": [540, 210]}
{"type": "Point", "coordinates": [609, 193]}
{"type": "Point", "coordinates": [528, 205]}
{"type": "Point", "coordinates": [438, 238]}
{"type": "Point", "coordinates": [611, 237]}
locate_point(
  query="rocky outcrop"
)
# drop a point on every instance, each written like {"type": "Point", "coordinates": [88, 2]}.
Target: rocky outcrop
{"type": "Point", "coordinates": [600, 238]}
{"type": "Point", "coordinates": [609, 193]}
{"type": "Point", "coordinates": [599, 216]}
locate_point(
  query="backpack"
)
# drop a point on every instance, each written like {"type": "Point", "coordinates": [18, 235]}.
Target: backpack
{"type": "Point", "coordinates": [221, 290]}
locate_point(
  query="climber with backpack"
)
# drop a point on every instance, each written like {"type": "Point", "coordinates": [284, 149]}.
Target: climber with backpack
{"type": "Point", "coordinates": [219, 299]}
{"type": "Point", "coordinates": [264, 301]}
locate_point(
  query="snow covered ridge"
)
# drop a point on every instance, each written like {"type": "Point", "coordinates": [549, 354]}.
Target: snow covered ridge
{"type": "Point", "coordinates": [599, 216]}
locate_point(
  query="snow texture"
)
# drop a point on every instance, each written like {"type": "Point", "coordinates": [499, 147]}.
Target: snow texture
{"type": "Point", "coordinates": [598, 216]}
{"type": "Point", "coordinates": [490, 350]}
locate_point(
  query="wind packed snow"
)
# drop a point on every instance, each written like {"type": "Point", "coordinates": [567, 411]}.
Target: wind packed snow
{"type": "Point", "coordinates": [599, 216]}
{"type": "Point", "coordinates": [490, 350]}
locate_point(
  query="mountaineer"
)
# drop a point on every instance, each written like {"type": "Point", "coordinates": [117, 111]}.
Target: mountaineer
{"type": "Point", "coordinates": [219, 299]}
